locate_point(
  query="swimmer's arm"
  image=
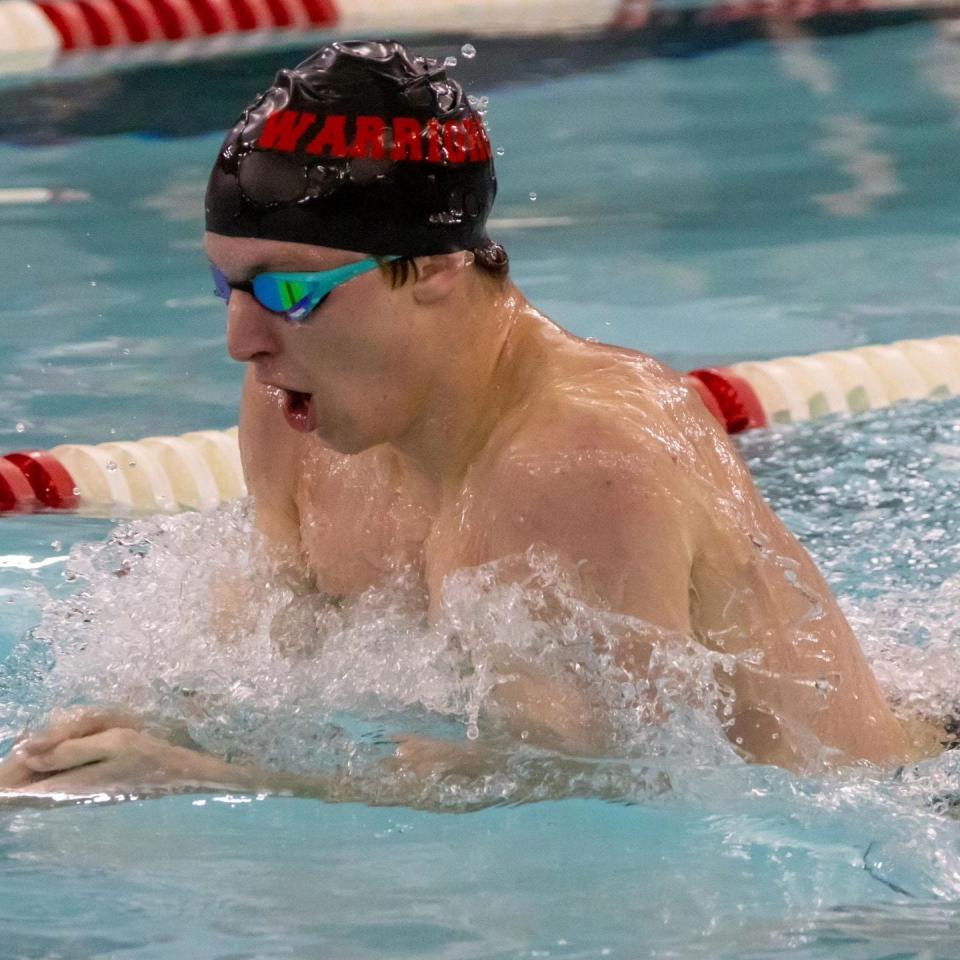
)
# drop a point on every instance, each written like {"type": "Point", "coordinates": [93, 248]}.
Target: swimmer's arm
{"type": "Point", "coordinates": [122, 762]}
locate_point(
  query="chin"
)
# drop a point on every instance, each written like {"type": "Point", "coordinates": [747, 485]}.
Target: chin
{"type": "Point", "coordinates": [344, 441]}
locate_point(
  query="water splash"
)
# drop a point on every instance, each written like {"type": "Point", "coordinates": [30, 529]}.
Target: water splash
{"type": "Point", "coordinates": [190, 618]}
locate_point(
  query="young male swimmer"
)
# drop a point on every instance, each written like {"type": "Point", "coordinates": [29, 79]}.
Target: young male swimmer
{"type": "Point", "coordinates": [405, 406]}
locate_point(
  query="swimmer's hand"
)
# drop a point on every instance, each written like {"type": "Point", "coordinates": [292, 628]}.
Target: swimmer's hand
{"type": "Point", "coordinates": [116, 761]}
{"type": "Point", "coordinates": [86, 750]}
{"type": "Point", "coordinates": [16, 773]}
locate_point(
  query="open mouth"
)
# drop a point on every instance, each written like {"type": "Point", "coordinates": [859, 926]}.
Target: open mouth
{"type": "Point", "coordinates": [296, 401]}
{"type": "Point", "coordinates": [297, 410]}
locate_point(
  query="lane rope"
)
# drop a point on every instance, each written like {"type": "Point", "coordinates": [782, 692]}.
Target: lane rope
{"type": "Point", "coordinates": [35, 33]}
{"type": "Point", "coordinates": [202, 469]}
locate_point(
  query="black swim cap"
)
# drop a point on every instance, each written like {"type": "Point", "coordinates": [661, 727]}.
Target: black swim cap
{"type": "Point", "coordinates": [361, 147]}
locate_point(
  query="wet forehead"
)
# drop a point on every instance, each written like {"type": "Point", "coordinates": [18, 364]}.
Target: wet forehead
{"type": "Point", "coordinates": [240, 257]}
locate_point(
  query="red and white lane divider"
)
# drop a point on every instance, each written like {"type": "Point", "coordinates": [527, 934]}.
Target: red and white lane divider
{"type": "Point", "coordinates": [157, 474]}
{"type": "Point", "coordinates": [202, 469]}
{"type": "Point", "coordinates": [33, 33]}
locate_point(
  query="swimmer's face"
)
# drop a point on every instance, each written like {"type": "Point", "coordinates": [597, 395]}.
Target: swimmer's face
{"type": "Point", "coordinates": [356, 370]}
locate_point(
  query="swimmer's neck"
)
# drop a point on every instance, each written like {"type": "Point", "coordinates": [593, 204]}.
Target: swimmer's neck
{"type": "Point", "coordinates": [487, 358]}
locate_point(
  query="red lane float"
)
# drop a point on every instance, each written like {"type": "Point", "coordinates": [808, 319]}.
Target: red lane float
{"type": "Point", "coordinates": [15, 490]}
{"type": "Point", "coordinates": [87, 24]}
{"type": "Point", "coordinates": [48, 479]}
{"type": "Point", "coordinates": [735, 404]}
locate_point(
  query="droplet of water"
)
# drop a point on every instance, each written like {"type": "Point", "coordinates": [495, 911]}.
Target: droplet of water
{"type": "Point", "coordinates": [56, 545]}
{"type": "Point", "coordinates": [93, 283]}
{"type": "Point", "coordinates": [450, 62]}
{"type": "Point", "coordinates": [132, 463]}
{"type": "Point", "coordinates": [473, 731]}
{"type": "Point", "coordinates": [500, 151]}
{"type": "Point", "coordinates": [533, 196]}
{"type": "Point", "coordinates": [111, 465]}
{"type": "Point", "coordinates": [126, 351]}
{"type": "Point", "coordinates": [20, 427]}
{"type": "Point", "coordinates": [484, 102]}
{"type": "Point", "coordinates": [472, 100]}
{"type": "Point", "coordinates": [469, 51]}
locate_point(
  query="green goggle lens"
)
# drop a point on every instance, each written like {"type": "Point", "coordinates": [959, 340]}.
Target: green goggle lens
{"type": "Point", "coordinates": [295, 295]}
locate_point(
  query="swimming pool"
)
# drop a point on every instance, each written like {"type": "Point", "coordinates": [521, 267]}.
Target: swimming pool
{"type": "Point", "coordinates": [761, 200]}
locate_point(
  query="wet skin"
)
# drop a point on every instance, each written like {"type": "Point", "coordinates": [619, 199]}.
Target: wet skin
{"type": "Point", "coordinates": [456, 425]}
{"type": "Point", "coordinates": [447, 423]}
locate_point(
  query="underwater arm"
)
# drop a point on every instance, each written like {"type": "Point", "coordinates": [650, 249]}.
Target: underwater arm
{"type": "Point", "coordinates": [121, 763]}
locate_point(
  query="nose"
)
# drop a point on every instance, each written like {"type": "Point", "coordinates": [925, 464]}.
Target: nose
{"type": "Point", "coordinates": [251, 330]}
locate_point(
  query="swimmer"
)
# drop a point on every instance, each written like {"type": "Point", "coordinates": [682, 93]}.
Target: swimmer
{"type": "Point", "coordinates": [405, 407]}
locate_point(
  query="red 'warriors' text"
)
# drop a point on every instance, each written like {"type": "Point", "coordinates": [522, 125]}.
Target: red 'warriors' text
{"type": "Point", "coordinates": [402, 138]}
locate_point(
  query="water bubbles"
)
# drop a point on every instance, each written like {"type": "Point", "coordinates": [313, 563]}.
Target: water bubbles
{"type": "Point", "coordinates": [468, 51]}
{"type": "Point", "coordinates": [450, 62]}
{"type": "Point", "coordinates": [20, 427]}
{"type": "Point", "coordinates": [500, 151]}
{"type": "Point", "coordinates": [56, 546]}
{"type": "Point", "coordinates": [112, 465]}
{"type": "Point", "coordinates": [473, 731]}
{"type": "Point", "coordinates": [93, 283]}
{"type": "Point", "coordinates": [533, 196]}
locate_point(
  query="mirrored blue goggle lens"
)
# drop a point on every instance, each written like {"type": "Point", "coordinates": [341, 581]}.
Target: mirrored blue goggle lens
{"type": "Point", "coordinates": [221, 286]}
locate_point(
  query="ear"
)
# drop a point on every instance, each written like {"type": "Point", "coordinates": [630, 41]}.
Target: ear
{"type": "Point", "coordinates": [438, 276]}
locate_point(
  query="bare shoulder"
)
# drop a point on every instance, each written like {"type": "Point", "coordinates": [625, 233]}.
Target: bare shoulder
{"type": "Point", "coordinates": [616, 418]}
{"type": "Point", "coordinates": [593, 469]}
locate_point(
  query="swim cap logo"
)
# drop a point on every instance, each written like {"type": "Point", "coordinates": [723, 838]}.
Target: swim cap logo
{"type": "Point", "coordinates": [402, 138]}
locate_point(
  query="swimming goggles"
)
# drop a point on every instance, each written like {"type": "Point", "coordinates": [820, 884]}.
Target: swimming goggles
{"type": "Point", "coordinates": [295, 295]}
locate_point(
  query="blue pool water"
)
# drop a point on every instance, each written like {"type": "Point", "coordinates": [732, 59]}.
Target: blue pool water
{"type": "Point", "coordinates": [769, 198]}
